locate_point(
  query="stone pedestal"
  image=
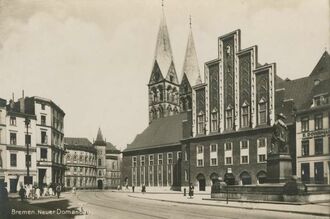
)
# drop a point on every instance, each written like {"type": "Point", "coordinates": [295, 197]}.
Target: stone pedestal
{"type": "Point", "coordinates": [279, 168]}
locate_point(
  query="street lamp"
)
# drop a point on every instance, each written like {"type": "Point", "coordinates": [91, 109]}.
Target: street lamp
{"type": "Point", "coordinates": [27, 142]}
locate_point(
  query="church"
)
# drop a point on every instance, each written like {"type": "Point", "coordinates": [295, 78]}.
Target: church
{"type": "Point", "coordinates": [206, 126]}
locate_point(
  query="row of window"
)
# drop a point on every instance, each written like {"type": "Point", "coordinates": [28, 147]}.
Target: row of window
{"type": "Point", "coordinates": [149, 174]}
{"type": "Point", "coordinates": [89, 181]}
{"type": "Point", "coordinates": [318, 147]}
{"type": "Point", "coordinates": [81, 170]}
{"type": "Point", "coordinates": [318, 123]}
{"type": "Point", "coordinates": [82, 159]}
{"type": "Point", "coordinates": [151, 160]}
{"type": "Point", "coordinates": [229, 160]}
{"type": "Point", "coordinates": [244, 144]}
{"type": "Point", "coordinates": [229, 122]}
{"type": "Point", "coordinates": [13, 160]}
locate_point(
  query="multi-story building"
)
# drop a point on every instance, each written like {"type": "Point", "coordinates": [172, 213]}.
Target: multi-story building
{"type": "Point", "coordinates": [32, 132]}
{"type": "Point", "coordinates": [113, 165]}
{"type": "Point", "coordinates": [21, 148]}
{"type": "Point", "coordinates": [50, 140]}
{"type": "Point", "coordinates": [313, 123]}
{"type": "Point", "coordinates": [3, 161]}
{"type": "Point", "coordinates": [80, 160]}
{"type": "Point", "coordinates": [219, 125]}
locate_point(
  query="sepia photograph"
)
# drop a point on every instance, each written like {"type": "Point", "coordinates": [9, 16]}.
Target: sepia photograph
{"type": "Point", "coordinates": [193, 109]}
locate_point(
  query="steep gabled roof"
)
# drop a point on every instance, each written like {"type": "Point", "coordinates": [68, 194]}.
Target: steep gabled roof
{"type": "Point", "coordinates": [323, 65]}
{"type": "Point", "coordinates": [190, 65]}
{"type": "Point", "coordinates": [161, 132]}
{"type": "Point", "coordinates": [99, 139]}
{"type": "Point", "coordinates": [163, 52]}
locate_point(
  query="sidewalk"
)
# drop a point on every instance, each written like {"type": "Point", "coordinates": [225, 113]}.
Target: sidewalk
{"type": "Point", "coordinates": [319, 209]}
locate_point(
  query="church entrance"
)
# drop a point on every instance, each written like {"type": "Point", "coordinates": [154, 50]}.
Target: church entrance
{"type": "Point", "coordinates": [99, 184]}
{"type": "Point", "coordinates": [201, 182]}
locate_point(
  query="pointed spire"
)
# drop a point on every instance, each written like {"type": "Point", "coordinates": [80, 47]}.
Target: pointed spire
{"type": "Point", "coordinates": [190, 65]}
{"type": "Point", "coordinates": [99, 139]}
{"type": "Point", "coordinates": [163, 52]}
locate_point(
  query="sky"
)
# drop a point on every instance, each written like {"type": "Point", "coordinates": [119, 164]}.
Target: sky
{"type": "Point", "coordinates": [94, 58]}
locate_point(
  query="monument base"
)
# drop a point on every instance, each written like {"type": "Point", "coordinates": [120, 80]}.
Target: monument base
{"type": "Point", "coordinates": [279, 168]}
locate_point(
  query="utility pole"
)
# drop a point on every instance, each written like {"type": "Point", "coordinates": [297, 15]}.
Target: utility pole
{"type": "Point", "coordinates": [27, 142]}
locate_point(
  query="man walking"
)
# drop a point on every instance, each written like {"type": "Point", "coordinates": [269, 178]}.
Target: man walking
{"type": "Point", "coordinates": [58, 190]}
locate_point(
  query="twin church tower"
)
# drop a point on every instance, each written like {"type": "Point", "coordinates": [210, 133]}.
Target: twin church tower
{"type": "Point", "coordinates": [166, 95]}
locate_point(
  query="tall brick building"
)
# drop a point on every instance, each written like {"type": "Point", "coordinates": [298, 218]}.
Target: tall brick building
{"type": "Point", "coordinates": [216, 125]}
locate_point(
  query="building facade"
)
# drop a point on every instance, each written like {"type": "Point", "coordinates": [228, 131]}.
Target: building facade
{"type": "Point", "coordinates": [31, 134]}
{"type": "Point", "coordinates": [313, 125]}
{"type": "Point", "coordinates": [50, 141]}
{"type": "Point", "coordinates": [80, 160]}
{"type": "Point", "coordinates": [113, 166]}
{"type": "Point", "coordinates": [223, 122]}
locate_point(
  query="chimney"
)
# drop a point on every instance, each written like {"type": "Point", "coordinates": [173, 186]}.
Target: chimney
{"type": "Point", "coordinates": [22, 105]}
{"type": "Point", "coordinates": [13, 97]}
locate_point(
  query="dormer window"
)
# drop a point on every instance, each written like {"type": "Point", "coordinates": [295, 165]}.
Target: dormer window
{"type": "Point", "coordinates": [320, 100]}
{"type": "Point", "coordinates": [171, 78]}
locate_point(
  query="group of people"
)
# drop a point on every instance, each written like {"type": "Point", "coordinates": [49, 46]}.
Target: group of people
{"type": "Point", "coordinates": [34, 192]}
{"type": "Point", "coordinates": [143, 188]}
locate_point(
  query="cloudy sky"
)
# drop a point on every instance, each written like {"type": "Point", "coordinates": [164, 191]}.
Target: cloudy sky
{"type": "Point", "coordinates": [94, 58]}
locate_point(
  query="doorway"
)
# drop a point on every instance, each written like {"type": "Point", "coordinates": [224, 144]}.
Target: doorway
{"type": "Point", "coordinates": [305, 172]}
{"type": "Point", "coordinates": [13, 185]}
{"type": "Point", "coordinates": [99, 184]}
{"type": "Point", "coordinates": [319, 173]}
{"type": "Point", "coordinates": [201, 182]}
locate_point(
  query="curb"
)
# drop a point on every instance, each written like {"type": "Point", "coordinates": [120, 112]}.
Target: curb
{"type": "Point", "coordinates": [241, 207]}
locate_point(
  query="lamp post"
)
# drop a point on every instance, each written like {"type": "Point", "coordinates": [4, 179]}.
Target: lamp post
{"type": "Point", "coordinates": [27, 142]}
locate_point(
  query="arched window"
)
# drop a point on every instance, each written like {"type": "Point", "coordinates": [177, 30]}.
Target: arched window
{"type": "Point", "coordinates": [229, 118]}
{"type": "Point", "coordinates": [200, 123]}
{"type": "Point", "coordinates": [245, 115]}
{"type": "Point", "coordinates": [214, 120]}
{"type": "Point", "coordinates": [99, 162]}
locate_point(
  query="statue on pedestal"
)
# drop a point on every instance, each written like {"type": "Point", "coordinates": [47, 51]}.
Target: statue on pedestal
{"type": "Point", "coordinates": [279, 142]}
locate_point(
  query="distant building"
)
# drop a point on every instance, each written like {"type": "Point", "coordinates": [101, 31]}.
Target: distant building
{"type": "Point", "coordinates": [3, 151]}
{"type": "Point", "coordinates": [80, 163]}
{"type": "Point", "coordinates": [113, 166]}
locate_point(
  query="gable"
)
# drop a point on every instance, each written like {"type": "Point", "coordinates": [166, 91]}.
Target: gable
{"type": "Point", "coordinates": [156, 74]}
{"type": "Point", "coordinates": [185, 87]}
{"type": "Point", "coordinates": [171, 74]}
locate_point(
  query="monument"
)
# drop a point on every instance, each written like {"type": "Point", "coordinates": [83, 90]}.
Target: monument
{"type": "Point", "coordinates": [279, 161]}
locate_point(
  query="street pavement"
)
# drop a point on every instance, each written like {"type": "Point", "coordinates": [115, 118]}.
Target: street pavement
{"type": "Point", "coordinates": [113, 204]}
{"type": "Point", "coordinates": [107, 204]}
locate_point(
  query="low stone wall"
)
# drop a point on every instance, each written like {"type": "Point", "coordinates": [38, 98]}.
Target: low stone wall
{"type": "Point", "coordinates": [273, 192]}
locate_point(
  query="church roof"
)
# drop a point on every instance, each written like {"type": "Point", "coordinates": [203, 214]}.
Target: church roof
{"type": "Point", "coordinates": [163, 52]}
{"type": "Point", "coordinates": [323, 65]}
{"type": "Point", "coordinates": [190, 65]}
{"type": "Point", "coordinates": [99, 139]}
{"type": "Point", "coordinates": [161, 132]}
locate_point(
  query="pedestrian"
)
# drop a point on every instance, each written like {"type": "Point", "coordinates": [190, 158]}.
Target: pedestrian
{"type": "Point", "coordinates": [143, 189]}
{"type": "Point", "coordinates": [191, 190]}
{"type": "Point", "coordinates": [58, 190]}
{"type": "Point", "coordinates": [4, 200]}
{"type": "Point", "coordinates": [133, 187]}
{"type": "Point", "coordinates": [74, 190]}
{"type": "Point", "coordinates": [37, 193]}
{"type": "Point", "coordinates": [22, 193]}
